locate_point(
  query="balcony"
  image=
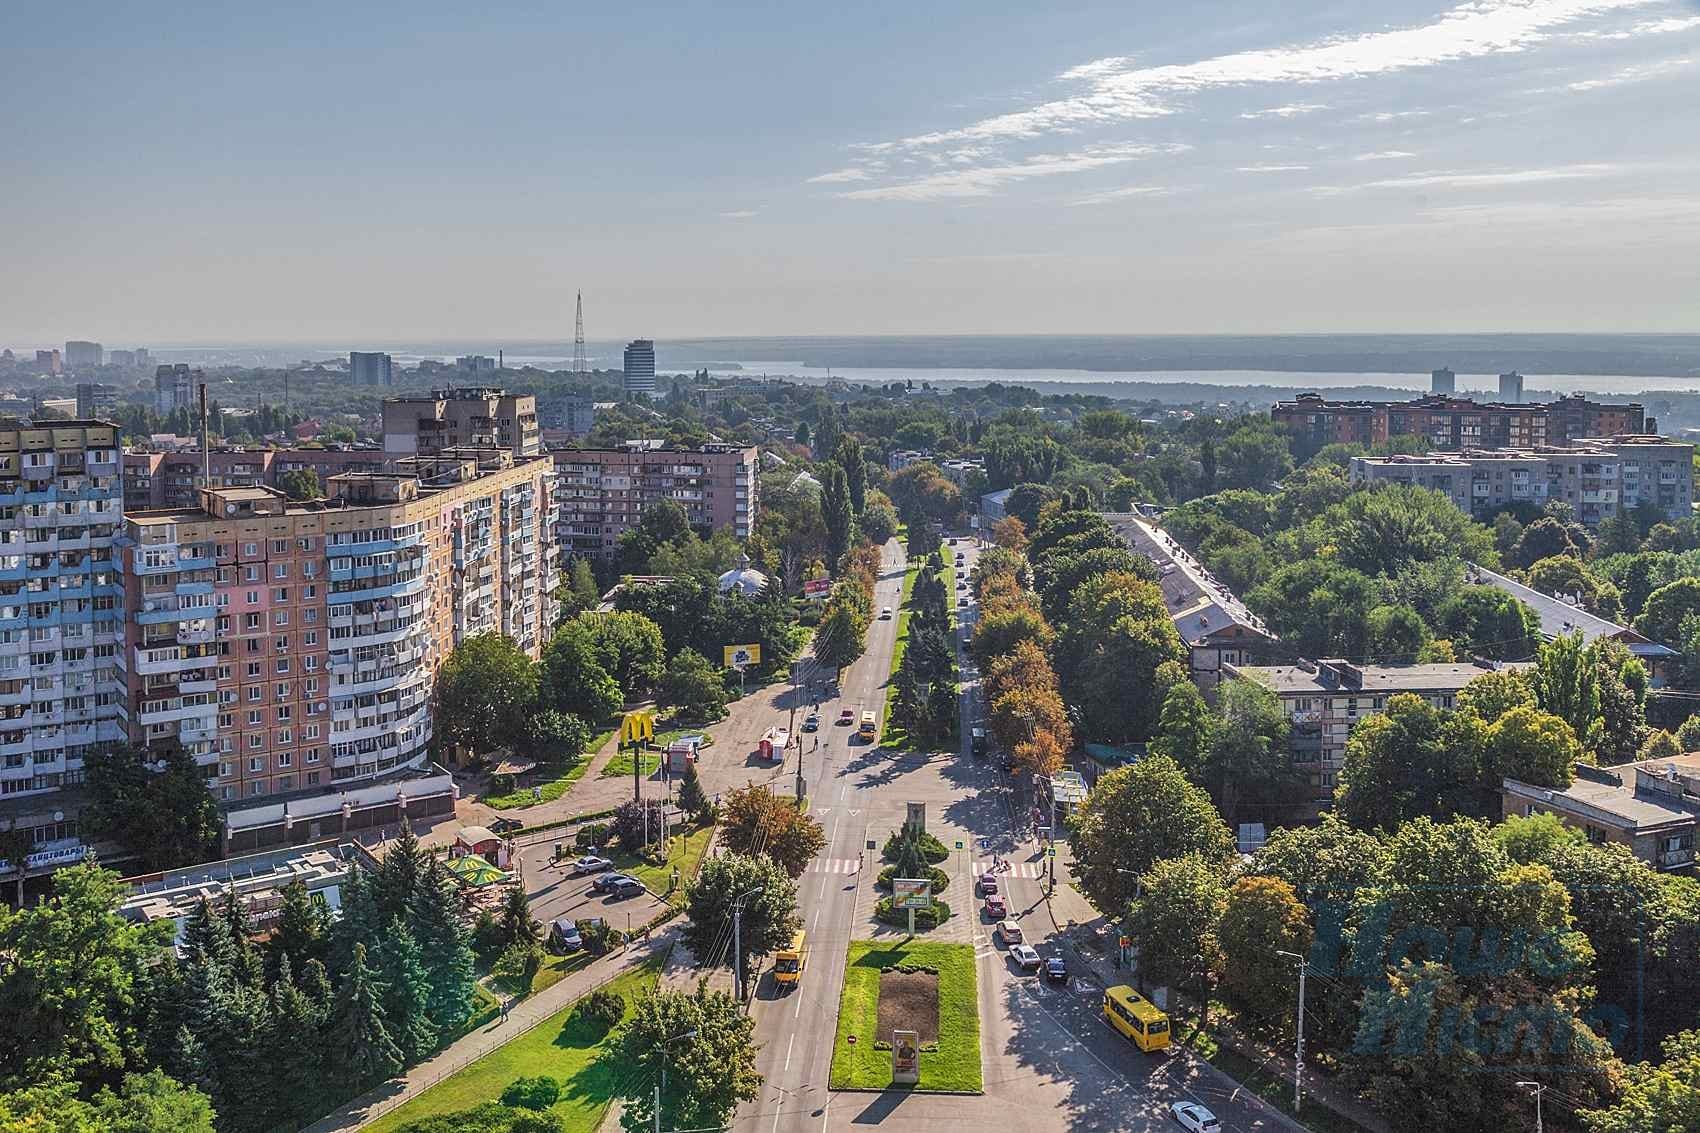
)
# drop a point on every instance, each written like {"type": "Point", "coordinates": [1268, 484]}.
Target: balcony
{"type": "Point", "coordinates": [1675, 859]}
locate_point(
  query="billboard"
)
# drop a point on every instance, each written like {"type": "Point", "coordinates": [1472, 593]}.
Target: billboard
{"type": "Point", "coordinates": [637, 727]}
{"type": "Point", "coordinates": [738, 656]}
{"type": "Point", "coordinates": [911, 893]}
{"type": "Point", "coordinates": [905, 1058]}
{"type": "Point", "coordinates": [817, 588]}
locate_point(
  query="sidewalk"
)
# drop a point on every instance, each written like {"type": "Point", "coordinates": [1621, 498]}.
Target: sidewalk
{"type": "Point", "coordinates": [525, 1015]}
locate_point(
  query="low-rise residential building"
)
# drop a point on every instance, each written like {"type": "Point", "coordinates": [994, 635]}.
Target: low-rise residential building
{"type": "Point", "coordinates": [1652, 806]}
{"type": "Point", "coordinates": [1324, 699]}
{"type": "Point", "coordinates": [902, 458]}
{"type": "Point", "coordinates": [1218, 629]}
{"type": "Point", "coordinates": [603, 492]}
{"type": "Point", "coordinates": [1599, 477]}
{"type": "Point", "coordinates": [993, 505]}
{"type": "Point", "coordinates": [1452, 423]}
{"type": "Point", "coordinates": [1562, 614]}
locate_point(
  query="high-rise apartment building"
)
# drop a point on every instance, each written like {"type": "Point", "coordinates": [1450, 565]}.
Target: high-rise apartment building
{"type": "Point", "coordinates": [1448, 423]}
{"type": "Point", "coordinates": [173, 479]}
{"type": "Point", "coordinates": [50, 361]}
{"type": "Point", "coordinates": [578, 416]}
{"type": "Point", "coordinates": [121, 358]}
{"type": "Point", "coordinates": [476, 363]}
{"type": "Point", "coordinates": [640, 368]}
{"type": "Point", "coordinates": [84, 355]}
{"type": "Point", "coordinates": [61, 623]}
{"type": "Point", "coordinates": [175, 387]}
{"type": "Point", "coordinates": [476, 417]}
{"type": "Point", "coordinates": [1511, 387]}
{"type": "Point", "coordinates": [1442, 380]}
{"type": "Point", "coordinates": [603, 491]}
{"type": "Point", "coordinates": [370, 368]}
{"type": "Point", "coordinates": [291, 647]}
{"type": "Point", "coordinates": [95, 400]}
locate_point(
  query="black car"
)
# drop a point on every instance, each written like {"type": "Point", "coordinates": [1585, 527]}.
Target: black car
{"type": "Point", "coordinates": [623, 887]}
{"type": "Point", "coordinates": [505, 826]}
{"type": "Point", "coordinates": [606, 882]}
{"type": "Point", "coordinates": [977, 744]}
{"type": "Point", "coordinates": [1056, 970]}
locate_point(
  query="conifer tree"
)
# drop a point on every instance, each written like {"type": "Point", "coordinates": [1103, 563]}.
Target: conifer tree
{"type": "Point", "coordinates": [407, 992]}
{"type": "Point", "coordinates": [358, 1041]}
{"type": "Point", "coordinates": [245, 961]}
{"type": "Point", "coordinates": [206, 936]}
{"type": "Point", "coordinates": [447, 954]}
{"type": "Point", "coordinates": [303, 931]}
{"type": "Point", "coordinates": [398, 875]}
{"type": "Point", "coordinates": [359, 921]}
{"type": "Point", "coordinates": [692, 799]}
{"type": "Point", "coordinates": [293, 1050]}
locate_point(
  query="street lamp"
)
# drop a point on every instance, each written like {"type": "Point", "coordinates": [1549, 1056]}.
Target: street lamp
{"type": "Point", "coordinates": [1138, 894]}
{"type": "Point", "coordinates": [1536, 1088]}
{"type": "Point", "coordinates": [1299, 1041]}
{"type": "Point", "coordinates": [662, 1085]}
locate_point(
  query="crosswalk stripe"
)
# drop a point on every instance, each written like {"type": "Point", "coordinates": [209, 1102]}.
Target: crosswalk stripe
{"type": "Point", "coordinates": [832, 865]}
{"type": "Point", "coordinates": [1031, 870]}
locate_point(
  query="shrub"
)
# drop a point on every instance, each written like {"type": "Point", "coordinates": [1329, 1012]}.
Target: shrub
{"type": "Point", "coordinates": [518, 964]}
{"type": "Point", "coordinates": [629, 824]}
{"type": "Point", "coordinates": [599, 937]}
{"type": "Point", "coordinates": [540, 1092]}
{"type": "Point", "coordinates": [592, 836]}
{"type": "Point", "coordinates": [602, 1007]}
{"type": "Point", "coordinates": [931, 848]}
{"type": "Point", "coordinates": [488, 939]}
{"type": "Point", "coordinates": [938, 877]}
{"type": "Point", "coordinates": [925, 919]}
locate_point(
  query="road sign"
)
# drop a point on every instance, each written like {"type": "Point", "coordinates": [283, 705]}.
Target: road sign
{"type": "Point", "coordinates": [872, 845]}
{"type": "Point", "coordinates": [738, 656]}
{"type": "Point", "coordinates": [959, 843]}
{"type": "Point", "coordinates": [1050, 851]}
{"type": "Point", "coordinates": [911, 893]}
{"type": "Point", "coordinates": [905, 1058]}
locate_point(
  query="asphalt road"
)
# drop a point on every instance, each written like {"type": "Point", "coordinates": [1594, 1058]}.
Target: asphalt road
{"type": "Point", "coordinates": [1049, 1061]}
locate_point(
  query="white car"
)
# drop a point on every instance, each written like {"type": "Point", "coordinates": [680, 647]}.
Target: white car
{"type": "Point", "coordinates": [1195, 1117]}
{"type": "Point", "coordinates": [885, 613]}
{"type": "Point", "coordinates": [591, 863]}
{"type": "Point", "coordinates": [1025, 957]}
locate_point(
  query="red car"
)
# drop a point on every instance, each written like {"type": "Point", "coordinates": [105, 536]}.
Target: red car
{"type": "Point", "coordinates": [995, 908]}
{"type": "Point", "coordinates": [847, 716]}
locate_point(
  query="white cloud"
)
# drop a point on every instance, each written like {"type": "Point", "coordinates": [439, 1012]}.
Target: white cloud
{"type": "Point", "coordinates": [1384, 155]}
{"type": "Point", "coordinates": [1119, 92]}
{"type": "Point", "coordinates": [837, 176]}
{"type": "Point", "coordinates": [1635, 74]}
{"type": "Point", "coordinates": [979, 182]}
{"type": "Point", "coordinates": [740, 214]}
{"type": "Point", "coordinates": [1464, 180]}
{"type": "Point", "coordinates": [1665, 26]}
{"type": "Point", "coordinates": [1123, 194]}
{"type": "Point", "coordinates": [1384, 116]}
{"type": "Point", "coordinates": [1290, 111]}
{"type": "Point", "coordinates": [1271, 168]}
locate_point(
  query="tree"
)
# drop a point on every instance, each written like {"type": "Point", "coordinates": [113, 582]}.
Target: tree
{"type": "Point", "coordinates": [1248, 766]}
{"type": "Point", "coordinates": [836, 511]}
{"type": "Point", "coordinates": [1487, 622]}
{"type": "Point", "coordinates": [1175, 920]}
{"type": "Point", "coordinates": [1396, 634]}
{"type": "Point", "coordinates": [1566, 683]}
{"type": "Point", "coordinates": [1411, 760]}
{"type": "Point", "coordinates": [303, 930]}
{"type": "Point", "coordinates": [693, 688]}
{"type": "Point", "coordinates": [443, 945]}
{"type": "Point", "coordinates": [1184, 729]}
{"type": "Point", "coordinates": [398, 875]}
{"type": "Point", "coordinates": [1543, 539]}
{"type": "Point", "coordinates": [1661, 745]}
{"type": "Point", "coordinates": [753, 820]}
{"type": "Point", "coordinates": [486, 690]}
{"type": "Point", "coordinates": [1117, 632]}
{"type": "Point", "coordinates": [572, 679]}
{"type": "Point", "coordinates": [664, 522]}
{"type": "Point", "coordinates": [768, 914]}
{"type": "Point", "coordinates": [1261, 919]}
{"type": "Point", "coordinates": [1665, 1097]}
{"type": "Point", "coordinates": [849, 456]}
{"type": "Point", "coordinates": [1532, 747]}
{"type": "Point", "coordinates": [1136, 816]}
{"type": "Point", "coordinates": [1252, 457]}
{"type": "Point", "coordinates": [1567, 575]}
{"type": "Point", "coordinates": [877, 520]}
{"type": "Point", "coordinates": [518, 925]}
{"type": "Point", "coordinates": [580, 592]}
{"type": "Point", "coordinates": [407, 993]}
{"type": "Point", "coordinates": [1026, 713]}
{"type": "Point", "coordinates": [291, 1049]}
{"type": "Point", "coordinates": [357, 1039]}
{"type": "Point", "coordinates": [840, 637]}
{"type": "Point", "coordinates": [693, 800]}
{"type": "Point", "coordinates": [1495, 693]}
{"type": "Point", "coordinates": [628, 646]}
{"type": "Point", "coordinates": [1318, 608]}
{"type": "Point", "coordinates": [1661, 618]}
{"type": "Point", "coordinates": [556, 738]}
{"type": "Point", "coordinates": [708, 1072]}
{"type": "Point", "coordinates": [148, 1103]}
{"type": "Point", "coordinates": [1061, 573]}
{"type": "Point", "coordinates": [1010, 533]}
{"type": "Point", "coordinates": [67, 990]}
{"type": "Point", "coordinates": [155, 801]}
{"type": "Point", "coordinates": [635, 824]}
{"type": "Point", "coordinates": [1004, 625]}
{"type": "Point", "coordinates": [300, 484]}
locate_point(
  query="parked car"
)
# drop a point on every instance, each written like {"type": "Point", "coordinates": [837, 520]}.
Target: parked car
{"type": "Point", "coordinates": [1009, 932]}
{"type": "Point", "coordinates": [885, 613]}
{"type": "Point", "coordinates": [624, 887]}
{"type": "Point", "coordinates": [995, 908]}
{"type": "Point", "coordinates": [811, 722]}
{"type": "Point", "coordinates": [564, 936]}
{"type": "Point", "coordinates": [1195, 1117]}
{"type": "Point", "coordinates": [504, 826]}
{"type": "Point", "coordinates": [606, 883]}
{"type": "Point", "coordinates": [1056, 970]}
{"type": "Point", "coordinates": [962, 601]}
{"type": "Point", "coordinates": [1025, 958]}
{"type": "Point", "coordinates": [977, 742]}
{"type": "Point", "coordinates": [591, 863]}
{"type": "Point", "coordinates": [987, 884]}
{"type": "Point", "coordinates": [961, 584]}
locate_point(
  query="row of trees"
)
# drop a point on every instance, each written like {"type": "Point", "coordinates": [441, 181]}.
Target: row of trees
{"type": "Point", "coordinates": [1024, 706]}
{"type": "Point", "coordinates": [926, 702]}
{"type": "Point", "coordinates": [842, 635]}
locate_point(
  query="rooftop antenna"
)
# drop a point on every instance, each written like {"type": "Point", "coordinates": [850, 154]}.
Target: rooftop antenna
{"type": "Point", "coordinates": [578, 338]}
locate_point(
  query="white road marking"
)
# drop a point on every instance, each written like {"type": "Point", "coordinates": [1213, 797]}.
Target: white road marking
{"type": "Point", "coordinates": [788, 1047]}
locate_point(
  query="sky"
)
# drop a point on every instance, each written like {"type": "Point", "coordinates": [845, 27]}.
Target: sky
{"type": "Point", "coordinates": [198, 173]}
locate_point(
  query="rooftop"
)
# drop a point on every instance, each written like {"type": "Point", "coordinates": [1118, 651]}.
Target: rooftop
{"type": "Point", "coordinates": [1197, 601]}
{"type": "Point", "coordinates": [1639, 797]}
{"type": "Point", "coordinates": [1560, 616]}
{"type": "Point", "coordinates": [1341, 676]}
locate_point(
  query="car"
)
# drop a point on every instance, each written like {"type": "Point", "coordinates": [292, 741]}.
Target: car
{"type": "Point", "coordinates": [885, 613]}
{"type": "Point", "coordinates": [591, 863]}
{"type": "Point", "coordinates": [988, 884]}
{"type": "Point", "coordinates": [811, 722]}
{"type": "Point", "coordinates": [977, 743]}
{"type": "Point", "coordinates": [607, 882]}
{"type": "Point", "coordinates": [1009, 932]}
{"type": "Point", "coordinates": [1025, 958]}
{"type": "Point", "coordinates": [962, 601]}
{"type": "Point", "coordinates": [995, 908]}
{"type": "Point", "coordinates": [1056, 970]}
{"type": "Point", "coordinates": [1191, 1115]}
{"type": "Point", "coordinates": [624, 887]}
{"type": "Point", "coordinates": [505, 826]}
{"type": "Point", "coordinates": [961, 585]}
{"type": "Point", "coordinates": [846, 717]}
{"type": "Point", "coordinates": [564, 936]}
{"type": "Point", "coordinates": [953, 540]}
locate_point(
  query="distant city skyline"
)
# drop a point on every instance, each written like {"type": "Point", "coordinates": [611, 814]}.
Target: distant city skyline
{"type": "Point", "coordinates": [224, 177]}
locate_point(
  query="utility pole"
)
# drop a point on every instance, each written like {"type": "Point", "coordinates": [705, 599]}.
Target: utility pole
{"type": "Point", "coordinates": [738, 940]}
{"type": "Point", "coordinates": [794, 732]}
{"type": "Point", "coordinates": [662, 1085]}
{"type": "Point", "coordinates": [1536, 1088]}
{"type": "Point", "coordinates": [1299, 1040]}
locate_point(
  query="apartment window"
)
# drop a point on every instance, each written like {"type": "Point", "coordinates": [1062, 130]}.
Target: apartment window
{"type": "Point", "coordinates": [309, 592]}
{"type": "Point", "coordinates": [253, 644]}
{"type": "Point", "coordinates": [310, 663]}
{"type": "Point", "coordinates": [312, 755]}
{"type": "Point", "coordinates": [280, 546]}
{"type": "Point", "coordinates": [311, 637]}
{"type": "Point", "coordinates": [256, 741]}
{"type": "Point", "coordinates": [253, 669]}
{"type": "Point", "coordinates": [310, 732]}
{"type": "Point", "coordinates": [280, 570]}
{"type": "Point", "coordinates": [312, 685]}
{"type": "Point", "coordinates": [285, 712]}
{"type": "Point", "coordinates": [250, 621]}
{"type": "Point", "coordinates": [257, 787]}
{"type": "Point", "coordinates": [253, 717]}
{"type": "Point", "coordinates": [280, 594]}
{"type": "Point", "coordinates": [310, 615]}
{"type": "Point", "coordinates": [304, 544]}
{"type": "Point", "coordinates": [226, 720]}
{"type": "Point", "coordinates": [283, 690]}
{"type": "Point", "coordinates": [256, 693]}
{"type": "Point", "coordinates": [250, 574]}
{"type": "Point", "coordinates": [312, 778]}
{"type": "Point", "coordinates": [309, 569]}
{"type": "Point", "coordinates": [280, 618]}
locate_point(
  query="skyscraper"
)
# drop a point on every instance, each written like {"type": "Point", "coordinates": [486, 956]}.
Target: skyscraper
{"type": "Point", "coordinates": [174, 387]}
{"type": "Point", "coordinates": [95, 400]}
{"type": "Point", "coordinates": [640, 368]}
{"type": "Point", "coordinates": [84, 354]}
{"type": "Point", "coordinates": [1442, 381]}
{"type": "Point", "coordinates": [50, 360]}
{"type": "Point", "coordinates": [1511, 388]}
{"type": "Point", "coordinates": [370, 368]}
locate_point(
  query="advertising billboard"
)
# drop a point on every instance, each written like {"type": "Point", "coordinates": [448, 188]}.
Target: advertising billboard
{"type": "Point", "coordinates": [911, 893]}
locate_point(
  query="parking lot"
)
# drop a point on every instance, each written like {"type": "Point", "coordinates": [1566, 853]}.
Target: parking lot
{"type": "Point", "coordinates": [555, 892]}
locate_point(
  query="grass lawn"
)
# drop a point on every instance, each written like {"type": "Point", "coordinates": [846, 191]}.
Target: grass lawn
{"type": "Point", "coordinates": [685, 853]}
{"type": "Point", "coordinates": [1275, 1089]}
{"type": "Point", "coordinates": [557, 968]}
{"type": "Point", "coordinates": [552, 788]}
{"type": "Point", "coordinates": [560, 1046]}
{"type": "Point", "coordinates": [620, 763]}
{"type": "Point", "coordinates": [956, 1063]}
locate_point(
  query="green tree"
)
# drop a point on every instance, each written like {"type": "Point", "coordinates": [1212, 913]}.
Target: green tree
{"type": "Point", "coordinates": [1249, 768]}
{"type": "Point", "coordinates": [1663, 1098]}
{"type": "Point", "coordinates": [1118, 631]}
{"type": "Point", "coordinates": [1533, 747]}
{"type": "Point", "coordinates": [1184, 729]}
{"type": "Point", "coordinates": [1495, 693]}
{"type": "Point", "coordinates": [1661, 618]}
{"type": "Point", "coordinates": [68, 989]}
{"type": "Point", "coordinates": [1487, 622]}
{"type": "Point", "coordinates": [1566, 683]}
{"type": "Point", "coordinates": [877, 520]}
{"type": "Point", "coordinates": [443, 945]}
{"type": "Point", "coordinates": [291, 1052]}
{"type": "Point", "coordinates": [1318, 608]}
{"type": "Point", "coordinates": [1570, 576]}
{"type": "Point", "coordinates": [1533, 838]}
{"type": "Point", "coordinates": [300, 484]}
{"type": "Point", "coordinates": [850, 458]}
{"type": "Point", "coordinates": [556, 738]}
{"type": "Point", "coordinates": [1543, 539]}
{"type": "Point", "coordinates": [693, 800]}
{"type": "Point", "coordinates": [357, 1039]}
{"type": "Point", "coordinates": [702, 1043]}
{"type": "Point", "coordinates": [572, 679]}
{"type": "Point", "coordinates": [397, 879]}
{"type": "Point", "coordinates": [579, 593]}
{"type": "Point", "coordinates": [1327, 865]}
{"type": "Point", "coordinates": [840, 638]}
{"type": "Point", "coordinates": [1396, 634]}
{"type": "Point", "coordinates": [303, 930]}
{"type": "Point", "coordinates": [147, 1103]}
{"type": "Point", "coordinates": [836, 511]}
{"type": "Point", "coordinates": [155, 801]}
{"type": "Point", "coordinates": [518, 925]}
{"type": "Point", "coordinates": [1136, 816]}
{"type": "Point", "coordinates": [1413, 759]}
{"type": "Point", "coordinates": [1261, 919]}
{"type": "Point", "coordinates": [1174, 922]}
{"type": "Point", "coordinates": [755, 821]}
{"type": "Point", "coordinates": [628, 646]}
{"type": "Point", "coordinates": [486, 690]}
{"type": "Point", "coordinates": [693, 688]}
{"type": "Point", "coordinates": [768, 911]}
{"type": "Point", "coordinates": [407, 993]}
